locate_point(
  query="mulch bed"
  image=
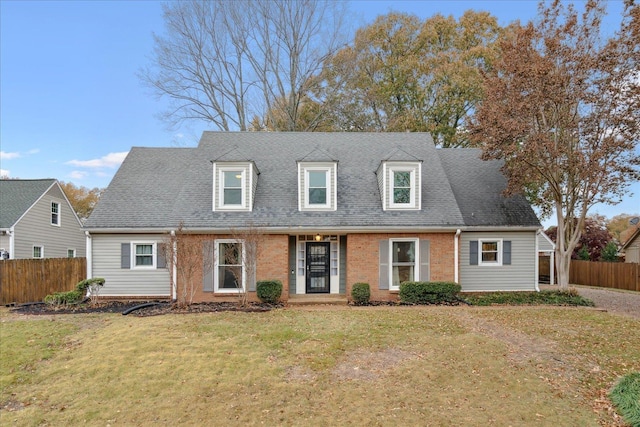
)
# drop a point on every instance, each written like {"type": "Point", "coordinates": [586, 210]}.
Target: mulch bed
{"type": "Point", "coordinates": [158, 308]}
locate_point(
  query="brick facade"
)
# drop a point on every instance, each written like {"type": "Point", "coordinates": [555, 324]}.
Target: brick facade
{"type": "Point", "coordinates": [362, 263]}
{"type": "Point", "coordinates": [363, 259]}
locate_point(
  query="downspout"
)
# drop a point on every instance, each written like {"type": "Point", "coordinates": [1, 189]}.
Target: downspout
{"type": "Point", "coordinates": [536, 272]}
{"type": "Point", "coordinates": [89, 255]}
{"type": "Point", "coordinates": [174, 269]}
{"type": "Point", "coordinates": [455, 255]}
{"type": "Point", "coordinates": [12, 243]}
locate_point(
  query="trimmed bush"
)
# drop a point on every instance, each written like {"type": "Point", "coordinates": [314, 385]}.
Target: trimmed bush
{"type": "Point", "coordinates": [269, 291]}
{"type": "Point", "coordinates": [428, 292]}
{"type": "Point", "coordinates": [360, 293]}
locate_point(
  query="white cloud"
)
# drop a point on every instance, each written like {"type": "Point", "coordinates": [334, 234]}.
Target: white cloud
{"type": "Point", "coordinates": [5, 172]}
{"type": "Point", "coordinates": [33, 151]}
{"type": "Point", "coordinates": [78, 174]}
{"type": "Point", "coordinates": [111, 160]}
{"type": "Point", "coordinates": [6, 156]}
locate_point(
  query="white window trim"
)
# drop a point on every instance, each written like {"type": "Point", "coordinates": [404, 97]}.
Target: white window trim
{"type": "Point", "coordinates": [415, 176]}
{"type": "Point", "coordinates": [153, 255]}
{"type": "Point", "coordinates": [218, 173]}
{"type": "Point", "coordinates": [332, 196]}
{"type": "Point", "coordinates": [59, 213]}
{"type": "Point", "coordinates": [41, 251]}
{"type": "Point", "coordinates": [74, 252]}
{"type": "Point", "coordinates": [499, 255]}
{"type": "Point", "coordinates": [216, 270]}
{"type": "Point", "coordinates": [416, 259]}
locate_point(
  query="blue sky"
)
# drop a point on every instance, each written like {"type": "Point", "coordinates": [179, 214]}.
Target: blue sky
{"type": "Point", "coordinates": [71, 105]}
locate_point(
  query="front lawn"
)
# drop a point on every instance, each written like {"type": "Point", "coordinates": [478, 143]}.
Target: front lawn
{"type": "Point", "coordinates": [317, 366]}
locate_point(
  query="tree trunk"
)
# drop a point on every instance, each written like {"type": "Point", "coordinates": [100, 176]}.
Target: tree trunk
{"type": "Point", "coordinates": [563, 261]}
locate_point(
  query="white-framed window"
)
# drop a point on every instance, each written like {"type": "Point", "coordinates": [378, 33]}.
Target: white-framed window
{"type": "Point", "coordinates": [71, 253]}
{"type": "Point", "coordinates": [490, 252]}
{"type": "Point", "coordinates": [403, 256]}
{"type": "Point", "coordinates": [232, 188]}
{"type": "Point", "coordinates": [55, 213]}
{"type": "Point", "coordinates": [38, 252]}
{"type": "Point", "coordinates": [318, 186]}
{"type": "Point", "coordinates": [143, 255]}
{"type": "Point", "coordinates": [402, 187]}
{"type": "Point", "coordinates": [229, 272]}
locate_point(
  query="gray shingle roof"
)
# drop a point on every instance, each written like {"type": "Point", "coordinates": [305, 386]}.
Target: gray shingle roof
{"type": "Point", "coordinates": [18, 195]}
{"type": "Point", "coordinates": [161, 187]}
{"type": "Point", "coordinates": [478, 184]}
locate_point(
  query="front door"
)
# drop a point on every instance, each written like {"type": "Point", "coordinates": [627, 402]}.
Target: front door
{"type": "Point", "coordinates": [317, 267]}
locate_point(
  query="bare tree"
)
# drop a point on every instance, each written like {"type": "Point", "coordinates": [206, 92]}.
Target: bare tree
{"type": "Point", "coordinates": [186, 257]}
{"type": "Point", "coordinates": [561, 108]}
{"type": "Point", "coordinates": [226, 62]}
{"type": "Point", "coordinates": [248, 241]}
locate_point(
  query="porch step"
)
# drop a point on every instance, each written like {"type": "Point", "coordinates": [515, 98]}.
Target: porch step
{"type": "Point", "coordinates": [328, 299]}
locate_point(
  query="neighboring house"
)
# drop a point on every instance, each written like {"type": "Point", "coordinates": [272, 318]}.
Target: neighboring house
{"type": "Point", "coordinates": [335, 209]}
{"type": "Point", "coordinates": [37, 221]}
{"type": "Point", "coordinates": [631, 248]}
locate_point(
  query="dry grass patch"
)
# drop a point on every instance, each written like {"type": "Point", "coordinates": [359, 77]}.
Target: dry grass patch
{"type": "Point", "coordinates": [295, 367]}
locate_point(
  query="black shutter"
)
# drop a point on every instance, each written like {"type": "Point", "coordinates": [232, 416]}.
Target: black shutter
{"type": "Point", "coordinates": [473, 252]}
{"type": "Point", "coordinates": [125, 255]}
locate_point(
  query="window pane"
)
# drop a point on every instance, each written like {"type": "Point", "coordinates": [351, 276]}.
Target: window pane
{"type": "Point", "coordinates": [317, 178]}
{"type": "Point", "coordinates": [402, 179]}
{"type": "Point", "coordinates": [401, 195]}
{"type": "Point", "coordinates": [402, 273]}
{"type": "Point", "coordinates": [403, 252]}
{"type": "Point", "coordinates": [144, 260]}
{"type": "Point", "coordinates": [55, 211]}
{"type": "Point", "coordinates": [233, 179]}
{"type": "Point", "coordinates": [37, 252]}
{"type": "Point", "coordinates": [317, 196]}
{"type": "Point", "coordinates": [229, 277]}
{"type": "Point", "coordinates": [490, 251]}
{"type": "Point", "coordinates": [232, 196]}
{"type": "Point", "coordinates": [71, 253]}
{"type": "Point", "coordinates": [144, 249]}
{"type": "Point", "coordinates": [229, 254]}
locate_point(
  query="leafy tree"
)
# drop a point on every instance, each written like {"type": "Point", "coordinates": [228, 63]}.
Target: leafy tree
{"type": "Point", "coordinates": [583, 254]}
{"type": "Point", "coordinates": [561, 108]}
{"type": "Point", "coordinates": [610, 252]}
{"type": "Point", "coordinates": [225, 62]}
{"type": "Point", "coordinates": [82, 199]}
{"type": "Point", "coordinates": [620, 226]}
{"type": "Point", "coordinates": [402, 74]}
{"type": "Point", "coordinates": [594, 238]}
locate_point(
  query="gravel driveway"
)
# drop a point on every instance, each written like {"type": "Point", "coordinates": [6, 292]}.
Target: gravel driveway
{"type": "Point", "coordinates": [621, 302]}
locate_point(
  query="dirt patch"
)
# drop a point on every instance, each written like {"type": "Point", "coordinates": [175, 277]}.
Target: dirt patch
{"type": "Point", "coordinates": [369, 366]}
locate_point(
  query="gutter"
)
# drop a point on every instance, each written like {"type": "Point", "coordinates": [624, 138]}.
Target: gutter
{"type": "Point", "coordinates": [456, 257]}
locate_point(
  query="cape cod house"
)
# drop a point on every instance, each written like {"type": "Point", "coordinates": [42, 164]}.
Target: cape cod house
{"type": "Point", "coordinates": [37, 221]}
{"type": "Point", "coordinates": [334, 209]}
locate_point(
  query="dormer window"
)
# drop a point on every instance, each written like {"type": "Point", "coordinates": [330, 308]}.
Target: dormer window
{"type": "Point", "coordinates": [400, 185]}
{"type": "Point", "coordinates": [317, 185]}
{"type": "Point", "coordinates": [233, 186]}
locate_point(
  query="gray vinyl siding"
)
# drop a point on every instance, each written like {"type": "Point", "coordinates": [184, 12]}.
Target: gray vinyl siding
{"type": "Point", "coordinates": [254, 184]}
{"type": "Point", "coordinates": [520, 275]}
{"type": "Point", "coordinates": [543, 244]}
{"type": "Point", "coordinates": [120, 282]}
{"type": "Point", "coordinates": [4, 242]}
{"type": "Point", "coordinates": [35, 229]}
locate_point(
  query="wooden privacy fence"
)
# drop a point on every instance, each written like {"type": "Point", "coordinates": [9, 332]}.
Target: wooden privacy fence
{"type": "Point", "coordinates": [618, 275]}
{"type": "Point", "coordinates": [30, 280]}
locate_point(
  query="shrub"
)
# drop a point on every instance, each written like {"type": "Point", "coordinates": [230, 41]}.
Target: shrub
{"type": "Point", "coordinates": [76, 296]}
{"type": "Point", "coordinates": [550, 297]}
{"type": "Point", "coordinates": [360, 293]}
{"type": "Point", "coordinates": [626, 398]}
{"type": "Point", "coordinates": [428, 292]}
{"type": "Point", "coordinates": [269, 291]}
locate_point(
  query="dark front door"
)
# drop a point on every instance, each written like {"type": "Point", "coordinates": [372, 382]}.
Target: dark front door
{"type": "Point", "coordinates": [317, 267]}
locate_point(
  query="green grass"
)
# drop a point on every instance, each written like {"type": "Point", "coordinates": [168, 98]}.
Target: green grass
{"type": "Point", "coordinates": [626, 397]}
{"type": "Point", "coordinates": [528, 298]}
{"type": "Point", "coordinates": [327, 366]}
